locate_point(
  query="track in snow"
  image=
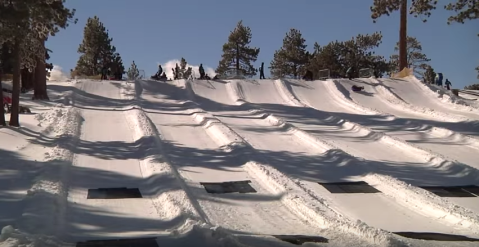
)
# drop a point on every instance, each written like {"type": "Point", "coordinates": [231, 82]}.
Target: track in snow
{"type": "Point", "coordinates": [298, 159]}
{"type": "Point", "coordinates": [107, 157]}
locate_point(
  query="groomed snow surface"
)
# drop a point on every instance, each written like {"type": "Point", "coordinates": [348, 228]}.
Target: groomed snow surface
{"type": "Point", "coordinates": [285, 137]}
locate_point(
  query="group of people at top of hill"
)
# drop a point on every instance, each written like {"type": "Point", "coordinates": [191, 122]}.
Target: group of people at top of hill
{"type": "Point", "coordinates": [160, 74]}
{"type": "Point", "coordinates": [438, 81]}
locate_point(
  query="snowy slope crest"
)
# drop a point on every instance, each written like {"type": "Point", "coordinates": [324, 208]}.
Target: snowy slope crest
{"type": "Point", "coordinates": [445, 96]}
{"type": "Point", "coordinates": [395, 101]}
{"type": "Point", "coordinates": [45, 202]}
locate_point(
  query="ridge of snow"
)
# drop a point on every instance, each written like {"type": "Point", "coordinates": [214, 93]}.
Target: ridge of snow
{"type": "Point", "coordinates": [315, 209]}
{"type": "Point", "coordinates": [46, 200]}
{"type": "Point", "coordinates": [425, 201]}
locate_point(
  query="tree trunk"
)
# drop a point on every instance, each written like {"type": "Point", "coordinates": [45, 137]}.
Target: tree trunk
{"type": "Point", "coordinates": [2, 111]}
{"type": "Point", "coordinates": [14, 118]}
{"type": "Point", "coordinates": [237, 59]}
{"type": "Point", "coordinates": [40, 85]}
{"type": "Point", "coordinates": [403, 36]}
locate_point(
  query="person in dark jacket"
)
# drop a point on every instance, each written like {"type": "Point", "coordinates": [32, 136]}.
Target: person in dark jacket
{"type": "Point", "coordinates": [202, 72]}
{"type": "Point", "coordinates": [308, 76]}
{"type": "Point", "coordinates": [349, 72]}
{"type": "Point", "coordinates": [356, 88]}
{"type": "Point", "coordinates": [448, 84]}
{"type": "Point", "coordinates": [261, 71]}
{"type": "Point", "coordinates": [177, 72]}
{"type": "Point", "coordinates": [104, 72]}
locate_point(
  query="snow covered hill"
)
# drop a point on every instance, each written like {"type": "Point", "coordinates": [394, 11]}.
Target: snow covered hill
{"type": "Point", "coordinates": [242, 163]}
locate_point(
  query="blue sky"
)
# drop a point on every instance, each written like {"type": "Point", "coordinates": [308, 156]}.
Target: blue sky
{"type": "Point", "coordinates": [152, 31]}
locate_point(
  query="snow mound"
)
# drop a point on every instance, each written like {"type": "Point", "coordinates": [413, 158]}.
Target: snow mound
{"type": "Point", "coordinates": [45, 202]}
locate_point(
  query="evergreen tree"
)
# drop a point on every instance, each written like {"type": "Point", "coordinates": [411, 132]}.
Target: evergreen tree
{"type": "Point", "coordinates": [96, 49]}
{"type": "Point", "coordinates": [185, 71]}
{"type": "Point", "coordinates": [237, 53]}
{"type": "Point", "coordinates": [133, 72]}
{"type": "Point", "coordinates": [386, 7]}
{"type": "Point", "coordinates": [25, 25]}
{"type": "Point", "coordinates": [429, 75]}
{"type": "Point", "coordinates": [292, 57]}
{"type": "Point", "coordinates": [338, 56]}
{"type": "Point", "coordinates": [472, 87]}
{"type": "Point", "coordinates": [117, 67]}
{"type": "Point", "coordinates": [415, 58]}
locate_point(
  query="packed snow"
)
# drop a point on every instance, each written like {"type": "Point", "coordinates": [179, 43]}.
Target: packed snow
{"type": "Point", "coordinates": [285, 137]}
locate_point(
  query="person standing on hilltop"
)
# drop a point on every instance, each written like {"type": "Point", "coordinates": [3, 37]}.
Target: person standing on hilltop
{"type": "Point", "coordinates": [261, 71]}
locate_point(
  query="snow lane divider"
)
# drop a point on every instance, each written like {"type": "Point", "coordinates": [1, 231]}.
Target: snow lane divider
{"type": "Point", "coordinates": [295, 197]}
{"type": "Point", "coordinates": [424, 196]}
{"type": "Point", "coordinates": [425, 201]}
{"type": "Point", "coordinates": [175, 202]}
{"type": "Point", "coordinates": [315, 209]}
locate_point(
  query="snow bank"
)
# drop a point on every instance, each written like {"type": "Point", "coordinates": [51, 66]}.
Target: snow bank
{"type": "Point", "coordinates": [45, 203]}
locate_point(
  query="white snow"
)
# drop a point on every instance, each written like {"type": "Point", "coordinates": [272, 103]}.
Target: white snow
{"type": "Point", "coordinates": [284, 136]}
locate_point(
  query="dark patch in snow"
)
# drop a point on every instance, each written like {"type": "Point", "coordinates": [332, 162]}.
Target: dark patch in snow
{"type": "Point", "coordinates": [301, 239]}
{"type": "Point", "coordinates": [137, 242]}
{"type": "Point", "coordinates": [229, 187]}
{"type": "Point", "coordinates": [113, 193]}
{"type": "Point", "coordinates": [350, 187]}
{"type": "Point", "coordinates": [436, 236]}
{"type": "Point", "coordinates": [454, 191]}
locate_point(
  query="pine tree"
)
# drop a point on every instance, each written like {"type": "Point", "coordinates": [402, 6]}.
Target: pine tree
{"type": "Point", "coordinates": [291, 58]}
{"type": "Point", "coordinates": [96, 48]}
{"type": "Point", "coordinates": [429, 75]}
{"type": "Point", "coordinates": [414, 57]}
{"type": "Point", "coordinates": [133, 72]}
{"type": "Point", "coordinates": [117, 67]}
{"type": "Point", "coordinates": [472, 87]}
{"type": "Point", "coordinates": [237, 54]}
{"type": "Point", "coordinates": [25, 25]}
{"type": "Point", "coordinates": [386, 7]}
{"type": "Point", "coordinates": [185, 71]}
